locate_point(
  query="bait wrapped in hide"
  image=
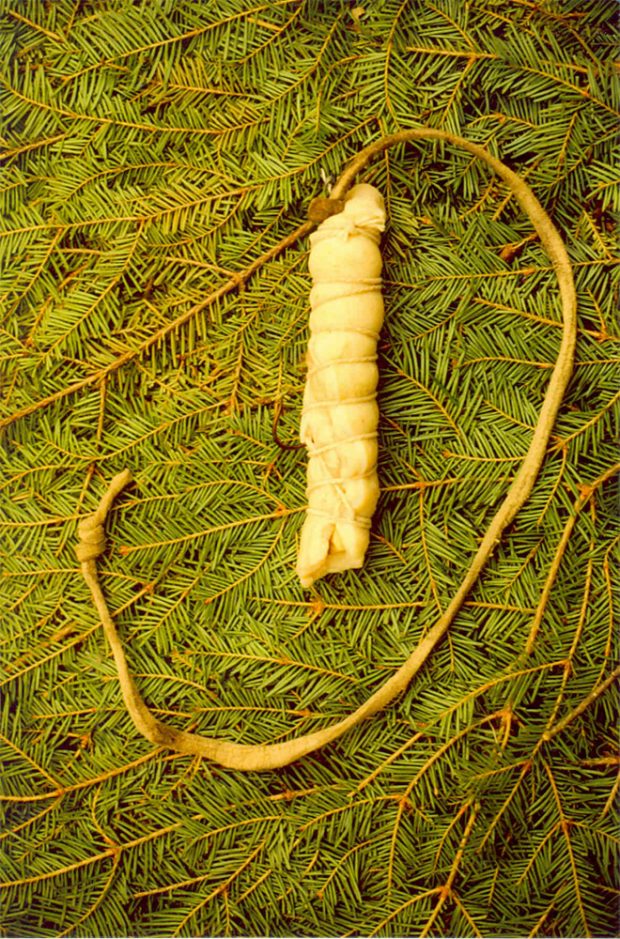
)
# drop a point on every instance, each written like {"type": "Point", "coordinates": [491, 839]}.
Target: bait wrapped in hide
{"type": "Point", "coordinates": [339, 428]}
{"type": "Point", "coordinates": [340, 414]}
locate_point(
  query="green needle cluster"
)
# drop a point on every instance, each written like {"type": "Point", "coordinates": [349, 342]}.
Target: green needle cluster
{"type": "Point", "coordinates": [155, 152]}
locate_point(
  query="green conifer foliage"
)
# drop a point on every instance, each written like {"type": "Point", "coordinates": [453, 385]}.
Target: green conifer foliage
{"type": "Point", "coordinates": [152, 151]}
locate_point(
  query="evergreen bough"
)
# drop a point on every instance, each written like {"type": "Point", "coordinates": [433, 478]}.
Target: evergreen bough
{"type": "Point", "coordinates": [153, 152]}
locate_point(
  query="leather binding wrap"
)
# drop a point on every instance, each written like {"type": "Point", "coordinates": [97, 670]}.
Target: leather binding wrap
{"type": "Point", "coordinates": [340, 414]}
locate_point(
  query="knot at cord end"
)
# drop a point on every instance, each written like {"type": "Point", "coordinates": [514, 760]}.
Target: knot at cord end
{"type": "Point", "coordinates": [92, 539]}
{"type": "Point", "coordinates": [91, 533]}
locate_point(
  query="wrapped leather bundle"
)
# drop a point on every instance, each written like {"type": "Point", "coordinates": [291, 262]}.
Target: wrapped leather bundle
{"type": "Point", "coordinates": [340, 414]}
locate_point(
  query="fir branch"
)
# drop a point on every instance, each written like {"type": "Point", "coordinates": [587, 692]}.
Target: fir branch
{"type": "Point", "coordinates": [212, 127]}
